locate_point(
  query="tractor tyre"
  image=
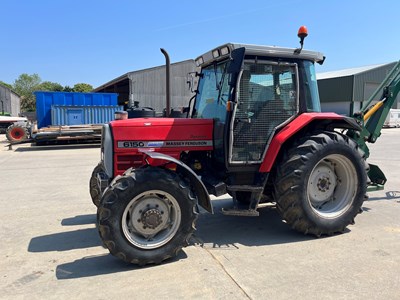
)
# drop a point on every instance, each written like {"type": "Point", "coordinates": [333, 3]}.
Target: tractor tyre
{"type": "Point", "coordinates": [321, 184]}
{"type": "Point", "coordinates": [16, 133]}
{"type": "Point", "coordinates": [147, 215]}
{"type": "Point", "coordinates": [95, 192]}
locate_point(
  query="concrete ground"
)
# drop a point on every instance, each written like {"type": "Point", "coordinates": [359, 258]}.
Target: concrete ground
{"type": "Point", "coordinates": [50, 248]}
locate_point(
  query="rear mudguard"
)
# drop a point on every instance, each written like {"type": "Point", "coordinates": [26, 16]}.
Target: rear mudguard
{"type": "Point", "coordinates": [327, 121]}
{"type": "Point", "coordinates": [203, 197]}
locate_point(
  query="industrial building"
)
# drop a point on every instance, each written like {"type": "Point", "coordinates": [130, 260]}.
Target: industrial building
{"type": "Point", "coordinates": [345, 91]}
{"type": "Point", "coordinates": [148, 86]}
{"type": "Point", "coordinates": [10, 102]}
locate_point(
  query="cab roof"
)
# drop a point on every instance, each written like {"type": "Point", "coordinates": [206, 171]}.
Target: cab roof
{"type": "Point", "coordinates": [258, 50]}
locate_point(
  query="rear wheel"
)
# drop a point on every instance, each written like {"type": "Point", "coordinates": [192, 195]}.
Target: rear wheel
{"type": "Point", "coordinates": [147, 215]}
{"type": "Point", "coordinates": [16, 133]}
{"type": "Point", "coordinates": [321, 184]}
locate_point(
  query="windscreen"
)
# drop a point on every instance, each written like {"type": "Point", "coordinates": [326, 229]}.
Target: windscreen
{"type": "Point", "coordinates": [310, 87]}
{"type": "Point", "coordinates": [213, 92]}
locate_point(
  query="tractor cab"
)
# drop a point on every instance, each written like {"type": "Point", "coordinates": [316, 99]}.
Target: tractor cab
{"type": "Point", "coordinates": [251, 92]}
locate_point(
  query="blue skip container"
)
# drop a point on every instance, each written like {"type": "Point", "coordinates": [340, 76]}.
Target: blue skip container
{"type": "Point", "coordinates": [58, 101]}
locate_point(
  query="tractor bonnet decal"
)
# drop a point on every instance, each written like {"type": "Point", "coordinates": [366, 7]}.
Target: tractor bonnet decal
{"type": "Point", "coordinates": [164, 144]}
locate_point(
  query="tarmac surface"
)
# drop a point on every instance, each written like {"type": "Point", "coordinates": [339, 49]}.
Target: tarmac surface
{"type": "Point", "coordinates": [50, 248]}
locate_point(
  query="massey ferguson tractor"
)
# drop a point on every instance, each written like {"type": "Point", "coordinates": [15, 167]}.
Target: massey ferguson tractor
{"type": "Point", "coordinates": [255, 131]}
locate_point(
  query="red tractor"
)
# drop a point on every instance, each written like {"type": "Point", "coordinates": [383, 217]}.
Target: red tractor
{"type": "Point", "coordinates": [254, 131]}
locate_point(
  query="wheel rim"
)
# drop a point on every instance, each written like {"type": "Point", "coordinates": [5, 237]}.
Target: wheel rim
{"type": "Point", "coordinates": [332, 186]}
{"type": "Point", "coordinates": [151, 219]}
{"type": "Point", "coordinates": [17, 133]}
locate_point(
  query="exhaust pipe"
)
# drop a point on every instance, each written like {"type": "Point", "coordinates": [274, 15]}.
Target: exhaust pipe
{"type": "Point", "coordinates": [167, 67]}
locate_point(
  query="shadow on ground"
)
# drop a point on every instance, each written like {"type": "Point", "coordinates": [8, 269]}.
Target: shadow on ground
{"type": "Point", "coordinates": [79, 220]}
{"type": "Point", "coordinates": [213, 231]}
{"type": "Point", "coordinates": [391, 195]}
{"type": "Point", "coordinates": [83, 239]}
{"type": "Point", "coordinates": [65, 241]}
{"type": "Point", "coordinates": [56, 147]}
{"type": "Point", "coordinates": [101, 265]}
{"type": "Point", "coordinates": [220, 231]}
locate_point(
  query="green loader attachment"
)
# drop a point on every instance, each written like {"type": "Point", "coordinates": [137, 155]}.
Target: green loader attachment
{"type": "Point", "coordinates": [372, 117]}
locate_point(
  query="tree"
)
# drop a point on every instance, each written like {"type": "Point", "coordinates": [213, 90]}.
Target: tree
{"type": "Point", "coordinates": [25, 85]}
{"type": "Point", "coordinates": [83, 88]}
{"type": "Point", "coordinates": [50, 86]}
{"type": "Point", "coordinates": [67, 88]}
{"type": "Point", "coordinates": [6, 84]}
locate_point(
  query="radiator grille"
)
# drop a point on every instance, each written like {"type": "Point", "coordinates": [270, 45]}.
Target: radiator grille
{"type": "Point", "coordinates": [125, 162]}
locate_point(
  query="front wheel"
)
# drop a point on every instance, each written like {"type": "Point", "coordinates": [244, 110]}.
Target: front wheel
{"type": "Point", "coordinates": [94, 189]}
{"type": "Point", "coordinates": [321, 184]}
{"type": "Point", "coordinates": [147, 215]}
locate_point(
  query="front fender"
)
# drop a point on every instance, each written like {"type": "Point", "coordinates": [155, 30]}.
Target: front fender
{"type": "Point", "coordinates": [203, 197]}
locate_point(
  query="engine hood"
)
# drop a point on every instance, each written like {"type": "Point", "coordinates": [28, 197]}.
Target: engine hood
{"type": "Point", "coordinates": [139, 122]}
{"type": "Point", "coordinates": [162, 134]}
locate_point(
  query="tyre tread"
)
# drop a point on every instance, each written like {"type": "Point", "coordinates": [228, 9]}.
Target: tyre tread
{"type": "Point", "coordinates": [123, 185]}
{"type": "Point", "coordinates": [290, 180]}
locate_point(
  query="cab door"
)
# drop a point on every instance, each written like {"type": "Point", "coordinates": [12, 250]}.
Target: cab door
{"type": "Point", "coordinates": [217, 89]}
{"type": "Point", "coordinates": [267, 99]}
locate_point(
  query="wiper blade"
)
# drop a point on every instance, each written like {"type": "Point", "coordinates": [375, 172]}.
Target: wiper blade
{"type": "Point", "coordinates": [220, 83]}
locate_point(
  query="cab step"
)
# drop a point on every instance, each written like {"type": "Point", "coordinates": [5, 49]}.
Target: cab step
{"type": "Point", "coordinates": [240, 212]}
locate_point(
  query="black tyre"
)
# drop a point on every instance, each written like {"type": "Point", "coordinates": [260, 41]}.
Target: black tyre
{"type": "Point", "coordinates": [321, 184]}
{"type": "Point", "coordinates": [16, 133]}
{"type": "Point", "coordinates": [147, 215]}
{"type": "Point", "coordinates": [95, 192]}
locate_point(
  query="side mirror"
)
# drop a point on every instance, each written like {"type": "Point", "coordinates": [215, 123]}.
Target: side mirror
{"type": "Point", "coordinates": [191, 80]}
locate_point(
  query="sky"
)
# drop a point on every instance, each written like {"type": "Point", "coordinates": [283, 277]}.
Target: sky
{"type": "Point", "coordinates": [95, 41]}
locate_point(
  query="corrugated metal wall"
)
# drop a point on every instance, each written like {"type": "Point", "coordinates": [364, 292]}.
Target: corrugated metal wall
{"type": "Point", "coordinates": [352, 90]}
{"type": "Point", "coordinates": [148, 86]}
{"type": "Point", "coordinates": [341, 108]}
{"type": "Point", "coordinates": [374, 76]}
{"type": "Point", "coordinates": [11, 101]}
{"type": "Point", "coordinates": [15, 104]}
{"type": "Point", "coordinates": [338, 89]}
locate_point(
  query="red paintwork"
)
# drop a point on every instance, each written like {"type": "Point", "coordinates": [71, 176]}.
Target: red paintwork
{"type": "Point", "coordinates": [168, 129]}
{"type": "Point", "coordinates": [156, 130]}
{"type": "Point", "coordinates": [288, 131]}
